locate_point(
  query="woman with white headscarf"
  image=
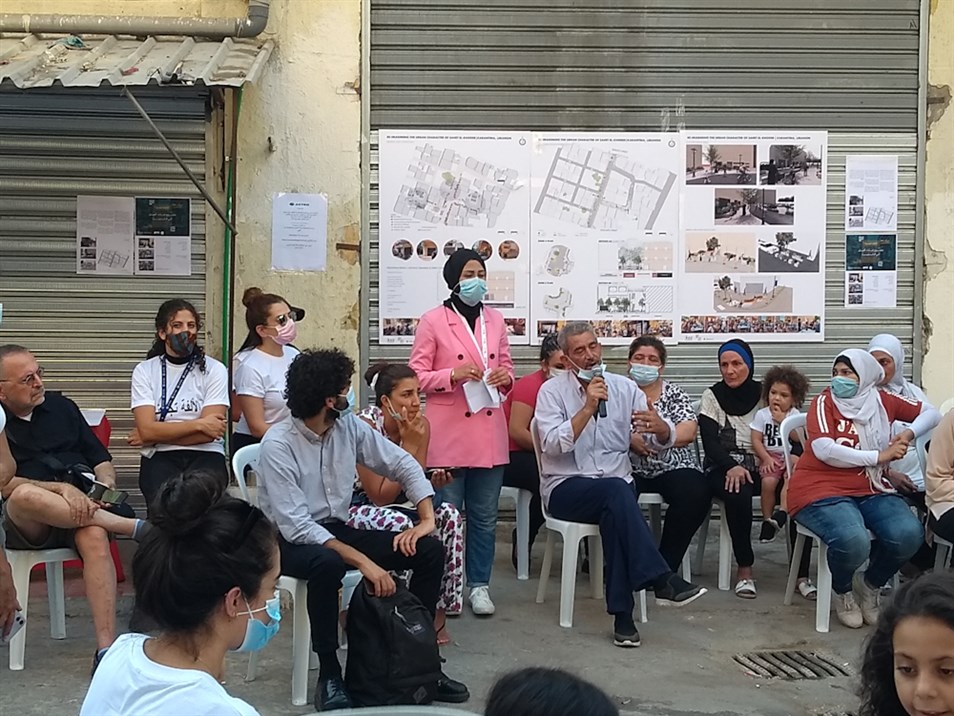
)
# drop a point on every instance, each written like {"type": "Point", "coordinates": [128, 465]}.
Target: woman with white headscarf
{"type": "Point", "coordinates": [841, 487]}
{"type": "Point", "coordinates": [889, 353]}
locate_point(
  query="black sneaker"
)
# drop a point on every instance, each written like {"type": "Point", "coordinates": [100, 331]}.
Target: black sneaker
{"type": "Point", "coordinates": [331, 695]}
{"type": "Point", "coordinates": [451, 691]}
{"type": "Point", "coordinates": [769, 531]}
{"type": "Point", "coordinates": [780, 517]}
{"type": "Point", "coordinates": [625, 634]}
{"type": "Point", "coordinates": [678, 592]}
{"type": "Point", "coordinates": [97, 658]}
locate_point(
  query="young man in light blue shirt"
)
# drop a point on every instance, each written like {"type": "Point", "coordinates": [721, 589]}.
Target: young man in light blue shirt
{"type": "Point", "coordinates": [306, 472]}
{"type": "Point", "coordinates": [587, 421]}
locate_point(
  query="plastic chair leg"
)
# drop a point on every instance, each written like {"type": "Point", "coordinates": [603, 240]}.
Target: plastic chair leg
{"type": "Point", "coordinates": [57, 598]}
{"type": "Point", "coordinates": [301, 645]}
{"type": "Point", "coordinates": [596, 566]}
{"type": "Point", "coordinates": [252, 667]}
{"type": "Point", "coordinates": [20, 566]}
{"type": "Point", "coordinates": [523, 535]}
{"type": "Point", "coordinates": [823, 603]}
{"type": "Point", "coordinates": [571, 547]}
{"type": "Point", "coordinates": [725, 553]}
{"type": "Point", "coordinates": [687, 567]}
{"type": "Point", "coordinates": [545, 568]}
{"type": "Point", "coordinates": [797, 552]}
{"type": "Point", "coordinates": [643, 611]}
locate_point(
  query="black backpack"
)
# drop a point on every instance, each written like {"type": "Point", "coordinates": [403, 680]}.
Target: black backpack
{"type": "Point", "coordinates": [392, 649]}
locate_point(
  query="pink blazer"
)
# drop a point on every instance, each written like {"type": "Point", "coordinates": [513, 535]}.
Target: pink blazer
{"type": "Point", "coordinates": [458, 438]}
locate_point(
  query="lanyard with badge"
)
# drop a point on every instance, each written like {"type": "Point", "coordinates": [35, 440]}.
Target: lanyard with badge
{"type": "Point", "coordinates": [166, 406]}
{"type": "Point", "coordinates": [481, 347]}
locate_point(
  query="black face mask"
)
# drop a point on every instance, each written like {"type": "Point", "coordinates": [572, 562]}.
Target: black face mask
{"type": "Point", "coordinates": [182, 343]}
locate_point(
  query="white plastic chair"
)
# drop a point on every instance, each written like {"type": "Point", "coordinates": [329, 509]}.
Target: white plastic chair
{"type": "Point", "coordinates": [303, 658]}
{"type": "Point", "coordinates": [946, 406]}
{"type": "Point", "coordinates": [822, 581]}
{"type": "Point", "coordinates": [22, 562]}
{"type": "Point", "coordinates": [655, 503]}
{"type": "Point", "coordinates": [572, 533]}
{"type": "Point", "coordinates": [521, 499]}
{"type": "Point", "coordinates": [942, 558]}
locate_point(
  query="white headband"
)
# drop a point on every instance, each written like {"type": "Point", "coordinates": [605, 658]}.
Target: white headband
{"type": "Point", "coordinates": [374, 380]}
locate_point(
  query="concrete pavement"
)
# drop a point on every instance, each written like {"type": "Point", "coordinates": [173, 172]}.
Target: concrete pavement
{"type": "Point", "coordinates": [684, 667]}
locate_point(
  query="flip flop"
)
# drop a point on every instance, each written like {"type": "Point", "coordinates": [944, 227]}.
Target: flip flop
{"type": "Point", "coordinates": [745, 588]}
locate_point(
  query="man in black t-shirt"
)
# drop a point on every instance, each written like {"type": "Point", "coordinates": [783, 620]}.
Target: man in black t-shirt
{"type": "Point", "coordinates": [46, 433]}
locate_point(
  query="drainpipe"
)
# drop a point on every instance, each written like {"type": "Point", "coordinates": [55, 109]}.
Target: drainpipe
{"type": "Point", "coordinates": [251, 25]}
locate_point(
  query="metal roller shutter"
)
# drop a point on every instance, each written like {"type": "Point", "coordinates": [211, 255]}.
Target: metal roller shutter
{"type": "Point", "coordinates": [90, 331]}
{"type": "Point", "coordinates": [851, 67]}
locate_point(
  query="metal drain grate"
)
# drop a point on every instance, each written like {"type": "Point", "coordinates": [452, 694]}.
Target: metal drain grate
{"type": "Point", "coordinates": [790, 665]}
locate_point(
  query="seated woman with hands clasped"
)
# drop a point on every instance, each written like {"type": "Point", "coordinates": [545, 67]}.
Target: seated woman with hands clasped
{"type": "Point", "coordinates": [379, 504]}
{"type": "Point", "coordinates": [841, 487]}
{"type": "Point", "coordinates": [206, 574]}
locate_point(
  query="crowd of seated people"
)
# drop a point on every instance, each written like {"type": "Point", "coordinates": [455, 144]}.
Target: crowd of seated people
{"type": "Point", "coordinates": [384, 491]}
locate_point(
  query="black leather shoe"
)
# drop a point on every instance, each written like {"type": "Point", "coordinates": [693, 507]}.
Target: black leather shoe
{"type": "Point", "coordinates": [451, 691]}
{"type": "Point", "coordinates": [331, 695]}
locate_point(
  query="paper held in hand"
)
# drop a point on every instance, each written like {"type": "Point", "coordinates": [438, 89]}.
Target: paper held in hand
{"type": "Point", "coordinates": [480, 395]}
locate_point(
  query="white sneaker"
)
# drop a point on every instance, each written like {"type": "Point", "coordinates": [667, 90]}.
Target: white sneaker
{"type": "Point", "coordinates": [480, 602]}
{"type": "Point", "coordinates": [847, 610]}
{"type": "Point", "coordinates": [869, 598]}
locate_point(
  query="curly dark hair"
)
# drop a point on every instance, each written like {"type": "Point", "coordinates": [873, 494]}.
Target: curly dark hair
{"type": "Point", "coordinates": [790, 376]}
{"type": "Point", "coordinates": [931, 596]}
{"type": "Point", "coordinates": [313, 377]}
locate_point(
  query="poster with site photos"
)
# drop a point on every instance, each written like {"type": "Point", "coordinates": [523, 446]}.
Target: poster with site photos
{"type": "Point", "coordinates": [752, 236]}
{"type": "Point", "coordinates": [604, 222]}
{"type": "Point", "coordinates": [440, 192]}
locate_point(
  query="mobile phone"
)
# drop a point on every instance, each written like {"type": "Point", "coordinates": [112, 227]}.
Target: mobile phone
{"type": "Point", "coordinates": [102, 492]}
{"type": "Point", "coordinates": [431, 470]}
{"type": "Point", "coordinates": [19, 621]}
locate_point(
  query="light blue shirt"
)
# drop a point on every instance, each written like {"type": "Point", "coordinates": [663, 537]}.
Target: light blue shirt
{"type": "Point", "coordinates": [306, 479]}
{"type": "Point", "coordinates": [602, 448]}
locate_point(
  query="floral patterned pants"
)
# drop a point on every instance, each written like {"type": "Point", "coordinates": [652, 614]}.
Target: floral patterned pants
{"type": "Point", "coordinates": [450, 531]}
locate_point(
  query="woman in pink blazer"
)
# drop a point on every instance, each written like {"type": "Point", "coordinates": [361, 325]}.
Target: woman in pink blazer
{"type": "Point", "coordinates": [459, 341]}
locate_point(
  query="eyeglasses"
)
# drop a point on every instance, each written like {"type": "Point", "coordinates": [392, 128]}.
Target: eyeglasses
{"type": "Point", "coordinates": [28, 379]}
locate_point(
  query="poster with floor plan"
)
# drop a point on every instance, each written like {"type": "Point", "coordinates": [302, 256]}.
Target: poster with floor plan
{"type": "Point", "coordinates": [604, 221]}
{"type": "Point", "coordinates": [752, 236]}
{"type": "Point", "coordinates": [441, 191]}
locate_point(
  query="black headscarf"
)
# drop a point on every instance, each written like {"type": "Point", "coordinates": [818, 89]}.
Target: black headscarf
{"type": "Point", "coordinates": [452, 271]}
{"type": "Point", "coordinates": [741, 400]}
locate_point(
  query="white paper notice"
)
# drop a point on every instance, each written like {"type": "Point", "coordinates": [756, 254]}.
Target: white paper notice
{"type": "Point", "coordinates": [299, 232]}
{"type": "Point", "coordinates": [104, 235]}
{"type": "Point", "coordinates": [480, 396]}
{"type": "Point", "coordinates": [871, 193]}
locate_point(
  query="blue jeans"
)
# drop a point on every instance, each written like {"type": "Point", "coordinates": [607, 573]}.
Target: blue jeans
{"type": "Point", "coordinates": [477, 490]}
{"type": "Point", "coordinates": [842, 523]}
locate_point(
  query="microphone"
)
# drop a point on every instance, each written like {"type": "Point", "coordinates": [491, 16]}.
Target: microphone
{"type": "Point", "coordinates": [601, 406]}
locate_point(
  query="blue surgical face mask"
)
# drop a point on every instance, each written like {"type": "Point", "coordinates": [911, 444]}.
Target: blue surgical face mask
{"type": "Point", "coordinates": [257, 634]}
{"type": "Point", "coordinates": [587, 374]}
{"type": "Point", "coordinates": [395, 415]}
{"type": "Point", "coordinates": [843, 387]}
{"type": "Point", "coordinates": [349, 397]}
{"type": "Point", "coordinates": [472, 290]}
{"type": "Point", "coordinates": [644, 374]}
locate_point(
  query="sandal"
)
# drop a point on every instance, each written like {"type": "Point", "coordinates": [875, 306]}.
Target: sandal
{"type": "Point", "coordinates": [442, 630]}
{"type": "Point", "coordinates": [745, 588]}
{"type": "Point", "coordinates": [808, 590]}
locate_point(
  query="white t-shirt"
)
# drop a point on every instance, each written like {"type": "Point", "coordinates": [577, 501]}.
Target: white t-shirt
{"type": "Point", "coordinates": [198, 391]}
{"type": "Point", "coordinates": [261, 375]}
{"type": "Point", "coordinates": [128, 682]}
{"type": "Point", "coordinates": [764, 423]}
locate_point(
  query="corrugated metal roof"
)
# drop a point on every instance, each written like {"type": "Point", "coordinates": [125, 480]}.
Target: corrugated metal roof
{"type": "Point", "coordinates": [43, 61]}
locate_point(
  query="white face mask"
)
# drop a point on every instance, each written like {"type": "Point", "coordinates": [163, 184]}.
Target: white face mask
{"type": "Point", "coordinates": [556, 372]}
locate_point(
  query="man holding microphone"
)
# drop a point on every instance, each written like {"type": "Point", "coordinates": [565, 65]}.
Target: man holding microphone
{"type": "Point", "coordinates": [588, 421]}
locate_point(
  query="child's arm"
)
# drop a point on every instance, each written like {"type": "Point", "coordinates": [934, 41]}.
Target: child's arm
{"type": "Point", "coordinates": [765, 459]}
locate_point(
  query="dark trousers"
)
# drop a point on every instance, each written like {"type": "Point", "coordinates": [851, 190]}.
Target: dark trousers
{"type": "Point", "coordinates": [324, 569]}
{"type": "Point", "coordinates": [240, 440]}
{"type": "Point", "coordinates": [688, 496]}
{"type": "Point", "coordinates": [522, 473]}
{"type": "Point", "coordinates": [629, 550]}
{"type": "Point", "coordinates": [162, 466]}
{"type": "Point", "coordinates": [944, 527]}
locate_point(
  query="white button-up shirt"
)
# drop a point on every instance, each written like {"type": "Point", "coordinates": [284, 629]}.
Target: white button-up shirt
{"type": "Point", "coordinates": [306, 479]}
{"type": "Point", "coordinates": [602, 448]}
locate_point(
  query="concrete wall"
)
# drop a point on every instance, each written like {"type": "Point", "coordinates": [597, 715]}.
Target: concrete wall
{"type": "Point", "coordinates": [938, 371]}
{"type": "Point", "coordinates": [307, 103]}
